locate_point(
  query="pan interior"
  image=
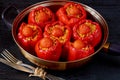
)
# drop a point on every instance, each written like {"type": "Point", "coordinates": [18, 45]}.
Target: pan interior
{"type": "Point", "coordinates": [55, 5]}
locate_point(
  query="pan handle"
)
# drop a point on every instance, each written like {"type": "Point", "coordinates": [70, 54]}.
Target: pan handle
{"type": "Point", "coordinates": [112, 48]}
{"type": "Point", "coordinates": [8, 15]}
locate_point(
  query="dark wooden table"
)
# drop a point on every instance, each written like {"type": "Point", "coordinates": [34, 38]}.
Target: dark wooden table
{"type": "Point", "coordinates": [102, 67]}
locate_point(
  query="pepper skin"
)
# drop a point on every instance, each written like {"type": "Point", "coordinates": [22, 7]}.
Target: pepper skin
{"type": "Point", "coordinates": [41, 16]}
{"type": "Point", "coordinates": [71, 13]}
{"type": "Point", "coordinates": [48, 49]}
{"type": "Point", "coordinates": [88, 31]}
{"type": "Point", "coordinates": [58, 30]}
{"type": "Point", "coordinates": [28, 35]}
{"type": "Point", "coordinates": [78, 50]}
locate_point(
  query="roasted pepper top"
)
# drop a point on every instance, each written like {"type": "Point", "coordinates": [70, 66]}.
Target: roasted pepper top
{"type": "Point", "coordinates": [71, 13]}
{"type": "Point", "coordinates": [57, 30]}
{"type": "Point", "coordinates": [41, 16]}
{"type": "Point", "coordinates": [74, 10]}
{"type": "Point", "coordinates": [78, 50]}
{"type": "Point", "coordinates": [29, 34]}
{"type": "Point", "coordinates": [48, 49]}
{"type": "Point", "coordinates": [88, 31]}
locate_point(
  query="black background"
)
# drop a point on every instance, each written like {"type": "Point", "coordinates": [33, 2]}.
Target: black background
{"type": "Point", "coordinates": [101, 67]}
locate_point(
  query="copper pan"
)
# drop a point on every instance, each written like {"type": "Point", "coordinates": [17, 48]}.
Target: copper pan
{"type": "Point", "coordinates": [59, 65]}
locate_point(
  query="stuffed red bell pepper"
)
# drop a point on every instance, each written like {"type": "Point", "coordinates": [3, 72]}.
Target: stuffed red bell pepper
{"type": "Point", "coordinates": [48, 49]}
{"type": "Point", "coordinates": [71, 13]}
{"type": "Point", "coordinates": [28, 35]}
{"type": "Point", "coordinates": [58, 30]}
{"type": "Point", "coordinates": [88, 31]}
{"type": "Point", "coordinates": [78, 50]}
{"type": "Point", "coordinates": [41, 16]}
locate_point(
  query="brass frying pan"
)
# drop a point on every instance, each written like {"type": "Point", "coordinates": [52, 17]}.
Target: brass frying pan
{"type": "Point", "coordinates": [54, 65]}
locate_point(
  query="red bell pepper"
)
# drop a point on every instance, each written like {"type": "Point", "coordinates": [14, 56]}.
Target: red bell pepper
{"type": "Point", "coordinates": [88, 31]}
{"type": "Point", "coordinates": [41, 16]}
{"type": "Point", "coordinates": [28, 35]}
{"type": "Point", "coordinates": [78, 50]}
{"type": "Point", "coordinates": [58, 30]}
{"type": "Point", "coordinates": [48, 49]}
{"type": "Point", "coordinates": [71, 13]}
